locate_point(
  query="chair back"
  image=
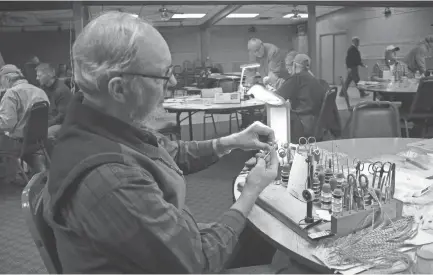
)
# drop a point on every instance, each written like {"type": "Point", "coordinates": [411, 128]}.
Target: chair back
{"type": "Point", "coordinates": [375, 119]}
{"type": "Point", "coordinates": [36, 128]}
{"type": "Point", "coordinates": [42, 234]}
{"type": "Point", "coordinates": [324, 84]}
{"type": "Point", "coordinates": [187, 66]}
{"type": "Point", "coordinates": [329, 118]}
{"type": "Point", "coordinates": [423, 100]}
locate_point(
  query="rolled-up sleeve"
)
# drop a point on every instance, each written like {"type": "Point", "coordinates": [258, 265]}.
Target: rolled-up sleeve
{"type": "Point", "coordinates": [190, 156]}
{"type": "Point", "coordinates": [144, 230]}
{"type": "Point", "coordinates": [8, 111]}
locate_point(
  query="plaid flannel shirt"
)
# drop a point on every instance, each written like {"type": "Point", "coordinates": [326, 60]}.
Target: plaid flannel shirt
{"type": "Point", "coordinates": [400, 69]}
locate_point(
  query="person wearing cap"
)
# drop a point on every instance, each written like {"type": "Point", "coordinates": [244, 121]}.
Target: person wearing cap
{"type": "Point", "coordinates": [14, 107]}
{"type": "Point", "coordinates": [415, 59]}
{"type": "Point", "coordinates": [306, 96]}
{"type": "Point", "coordinates": [270, 58]}
{"type": "Point", "coordinates": [390, 63]}
{"type": "Point", "coordinates": [353, 61]}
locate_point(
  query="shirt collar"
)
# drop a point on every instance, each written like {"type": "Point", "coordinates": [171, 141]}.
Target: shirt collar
{"type": "Point", "coordinates": [92, 120]}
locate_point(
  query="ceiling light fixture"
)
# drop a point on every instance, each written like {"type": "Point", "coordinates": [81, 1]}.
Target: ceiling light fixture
{"type": "Point", "coordinates": [296, 16]}
{"type": "Point", "coordinates": [242, 15]}
{"type": "Point", "coordinates": [188, 15]}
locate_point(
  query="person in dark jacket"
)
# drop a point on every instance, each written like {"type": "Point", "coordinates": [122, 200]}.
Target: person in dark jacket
{"type": "Point", "coordinates": [115, 196]}
{"type": "Point", "coordinates": [353, 60]}
{"type": "Point", "coordinates": [59, 95]}
{"type": "Point", "coordinates": [29, 70]}
{"type": "Point", "coordinates": [305, 94]}
{"type": "Point", "coordinates": [415, 59]}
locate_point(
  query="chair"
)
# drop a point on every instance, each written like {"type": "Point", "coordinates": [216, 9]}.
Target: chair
{"type": "Point", "coordinates": [36, 130]}
{"type": "Point", "coordinates": [42, 234]}
{"type": "Point", "coordinates": [422, 106]}
{"type": "Point", "coordinates": [329, 118]}
{"type": "Point", "coordinates": [375, 119]}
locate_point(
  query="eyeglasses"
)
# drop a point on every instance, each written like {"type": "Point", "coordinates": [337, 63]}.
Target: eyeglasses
{"type": "Point", "coordinates": [166, 77]}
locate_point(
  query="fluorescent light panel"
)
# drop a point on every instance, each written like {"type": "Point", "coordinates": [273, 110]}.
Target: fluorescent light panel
{"type": "Point", "coordinates": [302, 15]}
{"type": "Point", "coordinates": [242, 15]}
{"type": "Point", "coordinates": [188, 15]}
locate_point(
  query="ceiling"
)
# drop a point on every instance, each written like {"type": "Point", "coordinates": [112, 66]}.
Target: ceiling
{"type": "Point", "coordinates": [63, 19]}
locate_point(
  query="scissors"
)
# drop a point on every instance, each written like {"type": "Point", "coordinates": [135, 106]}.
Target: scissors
{"type": "Point", "coordinates": [374, 169]}
{"type": "Point", "coordinates": [386, 168]}
{"type": "Point", "coordinates": [359, 166]}
{"type": "Point", "coordinates": [309, 144]}
{"type": "Point", "coordinates": [351, 182]}
{"type": "Point", "coordinates": [363, 185]}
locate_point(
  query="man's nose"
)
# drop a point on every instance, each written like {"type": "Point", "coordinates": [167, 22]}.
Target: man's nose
{"type": "Point", "coordinates": [172, 81]}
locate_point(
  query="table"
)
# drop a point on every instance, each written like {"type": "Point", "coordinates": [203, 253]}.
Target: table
{"type": "Point", "coordinates": [285, 238]}
{"type": "Point", "coordinates": [193, 105]}
{"type": "Point", "coordinates": [389, 89]}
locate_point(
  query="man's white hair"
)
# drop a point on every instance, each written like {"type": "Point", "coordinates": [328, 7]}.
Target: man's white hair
{"type": "Point", "coordinates": [106, 45]}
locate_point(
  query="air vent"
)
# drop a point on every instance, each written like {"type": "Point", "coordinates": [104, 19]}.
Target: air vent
{"type": "Point", "coordinates": [264, 18]}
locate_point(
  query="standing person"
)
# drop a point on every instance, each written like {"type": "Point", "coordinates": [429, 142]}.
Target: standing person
{"type": "Point", "coordinates": [14, 112]}
{"type": "Point", "coordinates": [270, 58]}
{"type": "Point", "coordinates": [353, 60]}
{"type": "Point", "coordinates": [415, 59]}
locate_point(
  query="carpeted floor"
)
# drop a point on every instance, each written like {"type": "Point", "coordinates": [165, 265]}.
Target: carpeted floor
{"type": "Point", "coordinates": [209, 194]}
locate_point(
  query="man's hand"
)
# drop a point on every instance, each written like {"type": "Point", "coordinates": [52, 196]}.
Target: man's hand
{"type": "Point", "coordinates": [264, 172]}
{"type": "Point", "coordinates": [266, 80]}
{"type": "Point", "coordinates": [256, 137]}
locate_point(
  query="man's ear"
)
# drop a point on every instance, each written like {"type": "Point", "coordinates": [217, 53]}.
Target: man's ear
{"type": "Point", "coordinates": [116, 90]}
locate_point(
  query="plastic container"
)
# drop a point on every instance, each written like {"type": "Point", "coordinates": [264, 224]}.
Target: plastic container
{"type": "Point", "coordinates": [424, 260]}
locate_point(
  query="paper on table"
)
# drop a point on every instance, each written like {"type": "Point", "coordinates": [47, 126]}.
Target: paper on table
{"type": "Point", "coordinates": [323, 214]}
{"type": "Point", "coordinates": [298, 176]}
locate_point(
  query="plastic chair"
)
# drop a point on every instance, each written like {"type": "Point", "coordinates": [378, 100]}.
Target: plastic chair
{"type": "Point", "coordinates": [422, 106]}
{"type": "Point", "coordinates": [329, 118]}
{"type": "Point", "coordinates": [42, 234]}
{"type": "Point", "coordinates": [375, 119]}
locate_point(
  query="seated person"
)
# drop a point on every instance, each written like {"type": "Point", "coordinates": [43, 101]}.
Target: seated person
{"type": "Point", "coordinates": [123, 210]}
{"type": "Point", "coordinates": [390, 63]}
{"type": "Point", "coordinates": [306, 96]}
{"type": "Point", "coordinates": [59, 95]}
{"type": "Point", "coordinates": [14, 107]}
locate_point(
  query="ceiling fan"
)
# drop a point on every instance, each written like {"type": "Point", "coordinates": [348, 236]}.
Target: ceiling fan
{"type": "Point", "coordinates": [166, 15]}
{"type": "Point", "coordinates": [297, 14]}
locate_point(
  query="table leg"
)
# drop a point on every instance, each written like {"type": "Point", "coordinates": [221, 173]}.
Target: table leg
{"type": "Point", "coordinates": [178, 123]}
{"type": "Point", "coordinates": [374, 96]}
{"type": "Point", "coordinates": [190, 125]}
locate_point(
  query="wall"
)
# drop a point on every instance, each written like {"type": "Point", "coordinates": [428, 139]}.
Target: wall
{"type": "Point", "coordinates": [49, 46]}
{"type": "Point", "coordinates": [404, 28]}
{"type": "Point", "coordinates": [228, 44]}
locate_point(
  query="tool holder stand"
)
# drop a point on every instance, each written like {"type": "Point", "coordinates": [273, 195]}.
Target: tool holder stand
{"type": "Point", "coordinates": [346, 222]}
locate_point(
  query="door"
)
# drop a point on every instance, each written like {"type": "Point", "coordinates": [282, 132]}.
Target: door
{"type": "Point", "coordinates": [326, 57]}
{"type": "Point", "coordinates": [340, 51]}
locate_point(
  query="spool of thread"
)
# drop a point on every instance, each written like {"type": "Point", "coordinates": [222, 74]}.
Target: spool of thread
{"type": "Point", "coordinates": [367, 199]}
{"type": "Point", "coordinates": [337, 202]}
{"type": "Point", "coordinates": [319, 168]}
{"type": "Point", "coordinates": [328, 175]}
{"type": "Point", "coordinates": [333, 182]}
{"type": "Point", "coordinates": [316, 189]}
{"type": "Point", "coordinates": [285, 172]}
{"type": "Point", "coordinates": [340, 180]}
{"type": "Point", "coordinates": [326, 197]}
{"type": "Point", "coordinates": [321, 177]}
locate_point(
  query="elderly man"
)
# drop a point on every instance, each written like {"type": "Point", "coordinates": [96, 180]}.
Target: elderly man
{"type": "Point", "coordinates": [353, 61]}
{"type": "Point", "coordinates": [415, 59]}
{"type": "Point", "coordinates": [14, 109]}
{"type": "Point", "coordinates": [270, 58]}
{"type": "Point", "coordinates": [306, 96]}
{"type": "Point", "coordinates": [30, 70]}
{"type": "Point", "coordinates": [389, 63]}
{"type": "Point", "coordinates": [59, 95]}
{"type": "Point", "coordinates": [116, 195]}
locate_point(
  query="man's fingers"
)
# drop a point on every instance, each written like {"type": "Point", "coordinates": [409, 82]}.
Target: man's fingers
{"type": "Point", "coordinates": [273, 161]}
{"type": "Point", "coordinates": [263, 130]}
{"type": "Point", "coordinates": [260, 162]}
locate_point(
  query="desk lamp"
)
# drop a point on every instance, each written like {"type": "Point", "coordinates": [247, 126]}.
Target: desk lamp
{"type": "Point", "coordinates": [244, 67]}
{"type": "Point", "coordinates": [278, 115]}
